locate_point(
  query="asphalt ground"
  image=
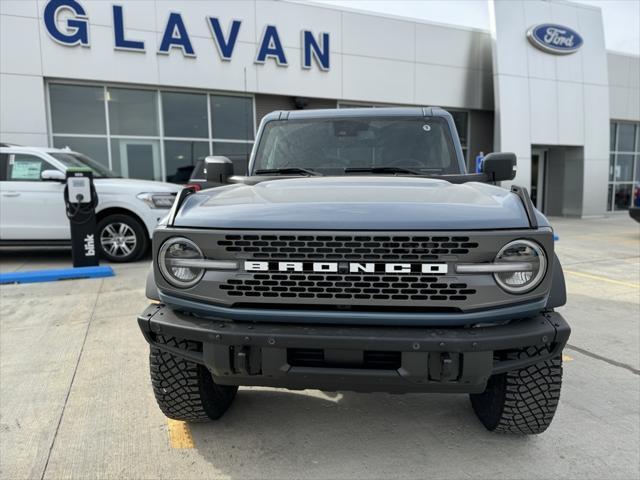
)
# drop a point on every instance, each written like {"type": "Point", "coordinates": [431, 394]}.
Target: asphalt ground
{"type": "Point", "coordinates": [76, 400]}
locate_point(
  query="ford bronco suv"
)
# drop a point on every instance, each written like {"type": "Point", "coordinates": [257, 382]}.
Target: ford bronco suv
{"type": "Point", "coordinates": [357, 254]}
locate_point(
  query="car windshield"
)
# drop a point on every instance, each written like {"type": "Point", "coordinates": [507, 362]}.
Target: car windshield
{"type": "Point", "coordinates": [72, 160]}
{"type": "Point", "coordinates": [421, 145]}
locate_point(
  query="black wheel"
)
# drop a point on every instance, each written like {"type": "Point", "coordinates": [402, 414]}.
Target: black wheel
{"type": "Point", "coordinates": [185, 390]}
{"type": "Point", "coordinates": [121, 238]}
{"type": "Point", "coordinates": [521, 401]}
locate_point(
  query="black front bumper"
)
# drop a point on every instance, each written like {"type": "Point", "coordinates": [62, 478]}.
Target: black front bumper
{"type": "Point", "coordinates": [329, 357]}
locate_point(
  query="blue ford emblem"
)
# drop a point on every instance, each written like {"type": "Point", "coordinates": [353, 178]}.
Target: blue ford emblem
{"type": "Point", "coordinates": [552, 38]}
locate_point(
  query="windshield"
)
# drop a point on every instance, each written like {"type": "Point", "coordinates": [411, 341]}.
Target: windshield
{"type": "Point", "coordinates": [71, 160]}
{"type": "Point", "coordinates": [333, 145]}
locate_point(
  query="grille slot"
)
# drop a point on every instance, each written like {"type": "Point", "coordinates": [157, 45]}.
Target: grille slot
{"type": "Point", "coordinates": [345, 247]}
{"type": "Point", "coordinates": [348, 287]}
{"type": "Point", "coordinates": [371, 359]}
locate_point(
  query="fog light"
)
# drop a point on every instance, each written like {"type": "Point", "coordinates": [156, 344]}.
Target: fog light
{"type": "Point", "coordinates": [528, 254]}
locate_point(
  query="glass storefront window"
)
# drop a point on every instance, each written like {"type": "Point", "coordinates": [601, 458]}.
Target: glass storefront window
{"type": "Point", "coordinates": [622, 197]}
{"type": "Point", "coordinates": [133, 112]}
{"type": "Point", "coordinates": [232, 117]}
{"type": "Point", "coordinates": [624, 165]}
{"type": "Point", "coordinates": [181, 157]}
{"type": "Point", "coordinates": [77, 109]}
{"type": "Point", "coordinates": [134, 158]}
{"type": "Point", "coordinates": [134, 145]}
{"type": "Point", "coordinates": [185, 115]}
{"type": "Point", "coordinates": [95, 148]}
{"type": "Point", "coordinates": [626, 137]}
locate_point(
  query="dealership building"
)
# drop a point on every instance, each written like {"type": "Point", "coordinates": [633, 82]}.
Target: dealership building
{"type": "Point", "coordinates": [148, 88]}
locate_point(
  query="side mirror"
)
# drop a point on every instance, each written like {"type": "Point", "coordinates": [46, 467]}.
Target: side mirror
{"type": "Point", "coordinates": [499, 166]}
{"type": "Point", "coordinates": [218, 169]}
{"type": "Point", "coordinates": [52, 176]}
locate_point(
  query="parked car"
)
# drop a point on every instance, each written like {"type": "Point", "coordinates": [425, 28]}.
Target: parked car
{"type": "Point", "coordinates": [32, 211]}
{"type": "Point", "coordinates": [358, 255]}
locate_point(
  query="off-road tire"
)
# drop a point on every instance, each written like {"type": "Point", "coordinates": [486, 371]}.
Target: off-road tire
{"type": "Point", "coordinates": [139, 230]}
{"type": "Point", "coordinates": [185, 390]}
{"type": "Point", "coordinates": [521, 401]}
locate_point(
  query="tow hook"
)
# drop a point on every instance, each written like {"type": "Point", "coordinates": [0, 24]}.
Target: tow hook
{"type": "Point", "coordinates": [246, 361]}
{"type": "Point", "coordinates": [242, 361]}
{"type": "Point", "coordinates": [446, 366]}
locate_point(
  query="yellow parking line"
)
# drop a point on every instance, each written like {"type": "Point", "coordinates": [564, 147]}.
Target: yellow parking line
{"type": "Point", "coordinates": [566, 358]}
{"type": "Point", "coordinates": [603, 279]}
{"type": "Point", "coordinates": [179, 434]}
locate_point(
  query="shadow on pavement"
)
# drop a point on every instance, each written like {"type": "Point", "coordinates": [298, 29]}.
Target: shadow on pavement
{"type": "Point", "coordinates": [281, 434]}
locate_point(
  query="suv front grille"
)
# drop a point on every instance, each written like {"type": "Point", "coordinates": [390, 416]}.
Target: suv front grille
{"type": "Point", "coordinates": [348, 287]}
{"type": "Point", "coordinates": [280, 269]}
{"type": "Point", "coordinates": [346, 247]}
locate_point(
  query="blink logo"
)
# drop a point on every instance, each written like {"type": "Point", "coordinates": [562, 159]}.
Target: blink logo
{"type": "Point", "coordinates": [67, 22]}
{"type": "Point", "coordinates": [89, 246]}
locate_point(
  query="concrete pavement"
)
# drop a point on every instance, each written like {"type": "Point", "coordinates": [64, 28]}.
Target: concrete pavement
{"type": "Point", "coordinates": [76, 400]}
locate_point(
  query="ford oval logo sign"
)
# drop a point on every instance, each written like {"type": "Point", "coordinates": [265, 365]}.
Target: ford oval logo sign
{"type": "Point", "coordinates": [556, 39]}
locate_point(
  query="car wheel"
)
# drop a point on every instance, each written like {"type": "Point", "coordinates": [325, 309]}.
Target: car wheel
{"type": "Point", "coordinates": [121, 238]}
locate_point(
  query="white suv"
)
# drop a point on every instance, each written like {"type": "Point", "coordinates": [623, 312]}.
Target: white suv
{"type": "Point", "coordinates": [32, 210]}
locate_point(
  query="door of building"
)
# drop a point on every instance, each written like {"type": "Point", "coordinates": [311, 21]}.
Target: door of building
{"type": "Point", "coordinates": [539, 178]}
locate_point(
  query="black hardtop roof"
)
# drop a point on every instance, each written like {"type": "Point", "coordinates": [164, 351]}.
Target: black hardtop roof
{"type": "Point", "coordinates": [357, 112]}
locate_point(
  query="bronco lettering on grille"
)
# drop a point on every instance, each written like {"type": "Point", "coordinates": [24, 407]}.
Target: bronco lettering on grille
{"type": "Point", "coordinates": [346, 267]}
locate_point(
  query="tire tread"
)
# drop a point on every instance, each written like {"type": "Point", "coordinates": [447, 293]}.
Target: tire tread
{"type": "Point", "coordinates": [521, 401]}
{"type": "Point", "coordinates": [185, 390]}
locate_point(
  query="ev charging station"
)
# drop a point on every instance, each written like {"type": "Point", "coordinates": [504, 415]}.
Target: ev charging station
{"type": "Point", "coordinates": [81, 199]}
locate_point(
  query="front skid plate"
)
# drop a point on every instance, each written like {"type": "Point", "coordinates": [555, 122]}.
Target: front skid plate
{"type": "Point", "coordinates": [432, 359]}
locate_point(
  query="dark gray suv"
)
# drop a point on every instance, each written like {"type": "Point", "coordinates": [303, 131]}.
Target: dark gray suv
{"type": "Point", "coordinates": [357, 254]}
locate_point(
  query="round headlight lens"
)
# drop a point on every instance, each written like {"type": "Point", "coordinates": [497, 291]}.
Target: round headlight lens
{"type": "Point", "coordinates": [177, 260]}
{"type": "Point", "coordinates": [533, 260]}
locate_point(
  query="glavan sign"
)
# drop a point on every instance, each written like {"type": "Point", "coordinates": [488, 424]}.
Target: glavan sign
{"type": "Point", "coordinates": [72, 29]}
{"type": "Point", "coordinates": [556, 39]}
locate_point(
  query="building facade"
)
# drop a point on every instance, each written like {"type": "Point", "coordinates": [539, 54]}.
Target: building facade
{"type": "Point", "coordinates": [148, 88]}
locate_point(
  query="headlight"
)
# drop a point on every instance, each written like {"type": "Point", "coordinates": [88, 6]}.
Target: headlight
{"type": "Point", "coordinates": [158, 200]}
{"type": "Point", "coordinates": [180, 261]}
{"type": "Point", "coordinates": [533, 261]}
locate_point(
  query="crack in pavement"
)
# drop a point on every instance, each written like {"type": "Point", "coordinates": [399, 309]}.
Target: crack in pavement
{"type": "Point", "coordinates": [73, 377]}
{"type": "Point", "coordinates": [610, 361]}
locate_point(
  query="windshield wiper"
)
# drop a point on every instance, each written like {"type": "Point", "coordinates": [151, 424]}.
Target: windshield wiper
{"type": "Point", "coordinates": [381, 170]}
{"type": "Point", "coordinates": [285, 171]}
